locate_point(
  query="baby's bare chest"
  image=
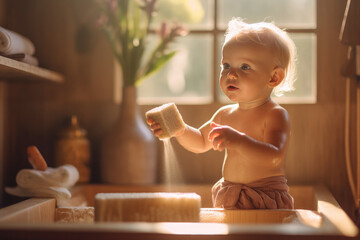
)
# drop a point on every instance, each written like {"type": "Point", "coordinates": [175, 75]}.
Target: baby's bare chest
{"type": "Point", "coordinates": [251, 124]}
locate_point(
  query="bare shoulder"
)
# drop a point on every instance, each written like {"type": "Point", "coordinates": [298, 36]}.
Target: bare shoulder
{"type": "Point", "coordinates": [277, 111]}
{"type": "Point", "coordinates": [277, 116]}
{"type": "Point", "coordinates": [224, 111]}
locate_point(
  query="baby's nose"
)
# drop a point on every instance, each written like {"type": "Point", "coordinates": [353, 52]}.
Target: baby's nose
{"type": "Point", "coordinates": [232, 74]}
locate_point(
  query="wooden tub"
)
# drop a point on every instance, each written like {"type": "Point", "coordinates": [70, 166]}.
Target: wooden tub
{"type": "Point", "coordinates": [317, 215]}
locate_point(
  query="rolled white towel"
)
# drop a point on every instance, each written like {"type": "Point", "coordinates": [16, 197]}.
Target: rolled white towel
{"type": "Point", "coordinates": [50, 192]}
{"type": "Point", "coordinates": [12, 43]}
{"type": "Point", "coordinates": [63, 176]}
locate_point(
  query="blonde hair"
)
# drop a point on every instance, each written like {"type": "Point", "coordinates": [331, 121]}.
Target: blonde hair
{"type": "Point", "coordinates": [269, 35]}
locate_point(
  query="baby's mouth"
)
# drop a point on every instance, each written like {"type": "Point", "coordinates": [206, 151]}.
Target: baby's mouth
{"type": "Point", "coordinates": [232, 88]}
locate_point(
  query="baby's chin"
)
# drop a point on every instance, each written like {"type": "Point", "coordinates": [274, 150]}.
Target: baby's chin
{"type": "Point", "coordinates": [233, 98]}
{"type": "Point", "coordinates": [236, 96]}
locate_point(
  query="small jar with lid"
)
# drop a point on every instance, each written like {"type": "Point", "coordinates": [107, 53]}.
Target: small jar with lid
{"type": "Point", "coordinates": [73, 147]}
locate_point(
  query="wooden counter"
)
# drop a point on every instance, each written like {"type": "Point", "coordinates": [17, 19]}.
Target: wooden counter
{"type": "Point", "coordinates": [317, 216]}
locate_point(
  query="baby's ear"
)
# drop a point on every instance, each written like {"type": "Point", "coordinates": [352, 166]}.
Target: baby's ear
{"type": "Point", "coordinates": [277, 75]}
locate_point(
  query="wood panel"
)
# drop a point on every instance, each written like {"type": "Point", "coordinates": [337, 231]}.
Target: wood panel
{"type": "Point", "coordinates": [215, 215]}
{"type": "Point", "coordinates": [33, 210]}
{"type": "Point", "coordinates": [329, 207]}
{"type": "Point", "coordinates": [15, 70]}
{"type": "Point", "coordinates": [38, 111]}
{"type": "Point", "coordinates": [3, 104]}
{"type": "Point", "coordinates": [350, 23]}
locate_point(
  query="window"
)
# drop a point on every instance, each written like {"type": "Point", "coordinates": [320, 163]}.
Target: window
{"type": "Point", "coordinates": [191, 77]}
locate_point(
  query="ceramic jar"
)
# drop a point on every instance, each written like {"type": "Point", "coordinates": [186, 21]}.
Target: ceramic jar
{"type": "Point", "coordinates": [73, 147]}
{"type": "Point", "coordinates": [129, 149]}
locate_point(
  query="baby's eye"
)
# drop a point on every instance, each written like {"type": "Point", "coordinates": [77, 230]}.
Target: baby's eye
{"type": "Point", "coordinates": [245, 67]}
{"type": "Point", "coordinates": [226, 66]}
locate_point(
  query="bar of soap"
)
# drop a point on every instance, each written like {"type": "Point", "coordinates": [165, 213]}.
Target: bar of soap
{"type": "Point", "coordinates": [147, 207]}
{"type": "Point", "coordinates": [74, 214]}
{"type": "Point", "coordinates": [169, 118]}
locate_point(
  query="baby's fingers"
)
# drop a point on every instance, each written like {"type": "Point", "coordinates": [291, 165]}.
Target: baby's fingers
{"type": "Point", "coordinates": [215, 139]}
{"type": "Point", "coordinates": [218, 144]}
{"type": "Point", "coordinates": [214, 125]}
{"type": "Point", "coordinates": [154, 126]}
{"type": "Point", "coordinates": [213, 134]}
{"type": "Point", "coordinates": [150, 121]}
{"type": "Point", "coordinates": [157, 132]}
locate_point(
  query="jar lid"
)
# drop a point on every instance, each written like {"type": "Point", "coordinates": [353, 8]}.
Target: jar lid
{"type": "Point", "coordinates": [73, 129]}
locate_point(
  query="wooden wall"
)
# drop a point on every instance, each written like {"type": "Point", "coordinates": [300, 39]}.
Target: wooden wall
{"type": "Point", "coordinates": [37, 110]}
{"type": "Point", "coordinates": [3, 104]}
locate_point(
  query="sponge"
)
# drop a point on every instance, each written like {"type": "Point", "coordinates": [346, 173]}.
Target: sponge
{"type": "Point", "coordinates": [169, 118]}
{"type": "Point", "coordinates": [74, 214]}
{"type": "Point", "coordinates": [147, 207]}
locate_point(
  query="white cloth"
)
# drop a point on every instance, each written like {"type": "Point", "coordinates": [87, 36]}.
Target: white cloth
{"type": "Point", "coordinates": [12, 43]}
{"type": "Point", "coordinates": [50, 192]}
{"type": "Point", "coordinates": [64, 176]}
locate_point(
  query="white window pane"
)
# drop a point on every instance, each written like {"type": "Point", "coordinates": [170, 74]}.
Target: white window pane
{"type": "Point", "coordinates": [187, 78]}
{"type": "Point", "coordinates": [193, 14]}
{"type": "Point", "coordinates": [285, 13]}
{"type": "Point", "coordinates": [305, 85]}
{"type": "Point", "coordinates": [207, 21]}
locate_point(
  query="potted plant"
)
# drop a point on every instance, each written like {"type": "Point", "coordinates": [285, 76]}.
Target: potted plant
{"type": "Point", "coordinates": [129, 151]}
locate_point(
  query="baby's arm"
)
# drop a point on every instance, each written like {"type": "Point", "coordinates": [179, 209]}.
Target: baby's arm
{"type": "Point", "coordinates": [195, 140]}
{"type": "Point", "coordinates": [271, 150]}
{"type": "Point", "coordinates": [192, 139]}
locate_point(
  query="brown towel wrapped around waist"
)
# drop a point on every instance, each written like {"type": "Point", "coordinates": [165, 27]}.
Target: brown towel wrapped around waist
{"type": "Point", "coordinates": [266, 193]}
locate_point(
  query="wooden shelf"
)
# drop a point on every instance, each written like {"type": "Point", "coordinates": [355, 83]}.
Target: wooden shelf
{"type": "Point", "coordinates": [11, 69]}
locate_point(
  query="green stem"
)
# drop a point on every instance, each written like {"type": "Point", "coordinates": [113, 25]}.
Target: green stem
{"type": "Point", "coordinates": [160, 48]}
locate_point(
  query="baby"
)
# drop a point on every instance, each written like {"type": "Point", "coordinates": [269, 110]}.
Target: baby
{"type": "Point", "coordinates": [257, 59]}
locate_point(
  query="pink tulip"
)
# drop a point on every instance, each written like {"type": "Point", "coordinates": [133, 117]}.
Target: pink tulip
{"type": "Point", "coordinates": [180, 30]}
{"type": "Point", "coordinates": [164, 30]}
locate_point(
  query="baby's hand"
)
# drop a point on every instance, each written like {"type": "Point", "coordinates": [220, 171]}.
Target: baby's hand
{"type": "Point", "coordinates": [154, 126]}
{"type": "Point", "coordinates": [223, 136]}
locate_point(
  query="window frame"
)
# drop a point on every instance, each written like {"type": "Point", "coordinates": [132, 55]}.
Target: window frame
{"type": "Point", "coordinates": [214, 31]}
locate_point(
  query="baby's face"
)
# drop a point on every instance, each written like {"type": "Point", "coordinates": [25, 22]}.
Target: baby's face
{"type": "Point", "coordinates": [246, 71]}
